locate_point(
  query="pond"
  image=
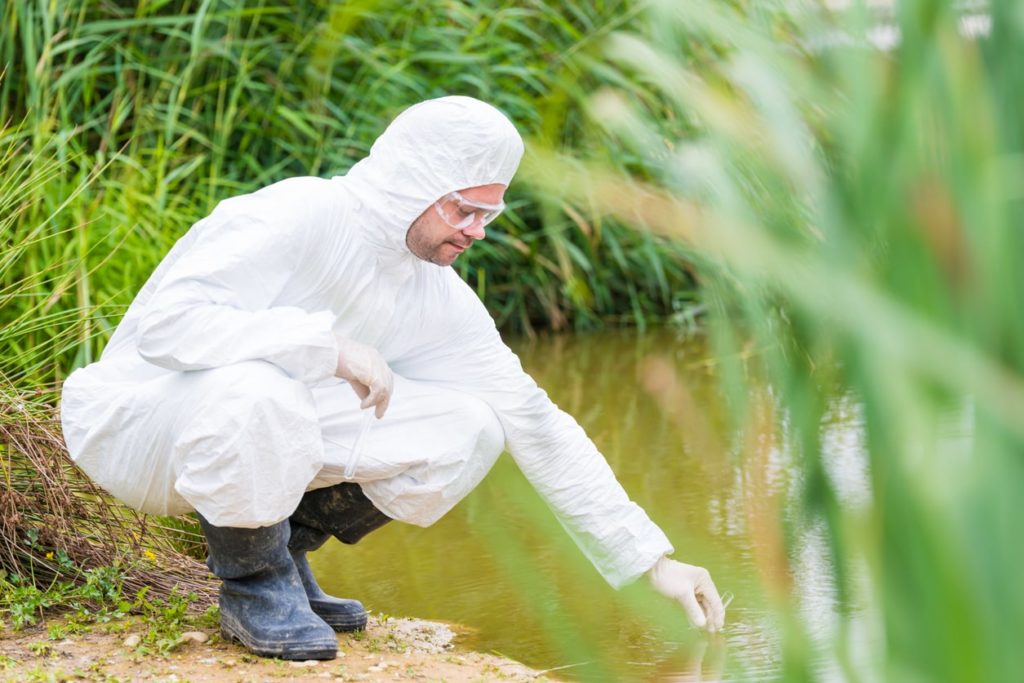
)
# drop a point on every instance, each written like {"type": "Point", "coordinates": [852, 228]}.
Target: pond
{"type": "Point", "coordinates": [501, 567]}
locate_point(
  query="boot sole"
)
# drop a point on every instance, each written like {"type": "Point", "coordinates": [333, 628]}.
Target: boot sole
{"type": "Point", "coordinates": [342, 624]}
{"type": "Point", "coordinates": [298, 652]}
{"type": "Point", "coordinates": [339, 619]}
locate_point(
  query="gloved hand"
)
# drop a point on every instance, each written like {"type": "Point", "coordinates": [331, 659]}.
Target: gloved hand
{"type": "Point", "coordinates": [366, 372]}
{"type": "Point", "coordinates": [693, 588]}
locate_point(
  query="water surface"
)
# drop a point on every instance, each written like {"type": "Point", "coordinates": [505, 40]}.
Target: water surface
{"type": "Point", "coordinates": [714, 476]}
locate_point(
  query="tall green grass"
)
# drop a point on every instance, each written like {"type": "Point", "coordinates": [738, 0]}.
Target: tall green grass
{"type": "Point", "coordinates": [855, 209]}
{"type": "Point", "coordinates": [61, 541]}
{"type": "Point", "coordinates": [177, 106]}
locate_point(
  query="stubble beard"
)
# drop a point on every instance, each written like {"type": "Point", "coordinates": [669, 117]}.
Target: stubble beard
{"type": "Point", "coordinates": [423, 248]}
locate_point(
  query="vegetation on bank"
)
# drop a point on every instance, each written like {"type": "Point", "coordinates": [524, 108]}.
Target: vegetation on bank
{"type": "Point", "coordinates": [65, 546]}
{"type": "Point", "coordinates": [162, 110]}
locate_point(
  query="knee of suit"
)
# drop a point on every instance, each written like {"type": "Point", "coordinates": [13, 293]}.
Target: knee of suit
{"type": "Point", "coordinates": [477, 415]}
{"type": "Point", "coordinates": [250, 446]}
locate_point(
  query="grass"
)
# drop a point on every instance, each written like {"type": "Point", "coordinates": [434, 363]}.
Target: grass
{"type": "Point", "coordinates": [99, 599]}
{"type": "Point", "coordinates": [162, 111]}
{"type": "Point", "coordinates": [63, 544]}
{"type": "Point", "coordinates": [855, 209]}
{"type": "Point", "coordinates": [158, 625]}
{"type": "Point", "coordinates": [62, 541]}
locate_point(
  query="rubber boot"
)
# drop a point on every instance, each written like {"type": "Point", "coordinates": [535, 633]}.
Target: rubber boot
{"type": "Point", "coordinates": [340, 614]}
{"type": "Point", "coordinates": [342, 511]}
{"type": "Point", "coordinates": [262, 602]}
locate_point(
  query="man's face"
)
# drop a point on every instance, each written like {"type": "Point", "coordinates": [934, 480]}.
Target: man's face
{"type": "Point", "coordinates": [431, 239]}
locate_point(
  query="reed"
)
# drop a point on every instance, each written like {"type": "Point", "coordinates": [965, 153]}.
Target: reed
{"type": "Point", "coordinates": [61, 539]}
{"type": "Point", "coordinates": [855, 214]}
{"type": "Point", "coordinates": [171, 108]}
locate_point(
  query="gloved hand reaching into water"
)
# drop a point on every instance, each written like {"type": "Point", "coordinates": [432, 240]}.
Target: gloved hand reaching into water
{"type": "Point", "coordinates": [367, 372]}
{"type": "Point", "coordinates": [693, 588]}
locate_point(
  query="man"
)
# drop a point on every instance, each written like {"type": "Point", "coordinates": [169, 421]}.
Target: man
{"type": "Point", "coordinates": [224, 391]}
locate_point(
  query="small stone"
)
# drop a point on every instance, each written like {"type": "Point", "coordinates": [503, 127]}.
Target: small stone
{"type": "Point", "coordinates": [376, 669]}
{"type": "Point", "coordinates": [208, 660]}
{"type": "Point", "coordinates": [194, 636]}
{"type": "Point", "coordinates": [132, 641]}
{"type": "Point", "coordinates": [307, 663]}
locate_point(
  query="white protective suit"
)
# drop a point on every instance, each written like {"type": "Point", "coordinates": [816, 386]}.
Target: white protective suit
{"type": "Point", "coordinates": [217, 390]}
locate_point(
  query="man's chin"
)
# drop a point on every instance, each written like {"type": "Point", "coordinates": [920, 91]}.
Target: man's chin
{"type": "Point", "coordinates": [442, 255]}
{"type": "Point", "coordinates": [447, 253]}
{"type": "Point", "coordinates": [443, 260]}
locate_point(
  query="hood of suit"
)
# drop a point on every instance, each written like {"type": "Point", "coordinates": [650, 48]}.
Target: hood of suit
{"type": "Point", "coordinates": [430, 149]}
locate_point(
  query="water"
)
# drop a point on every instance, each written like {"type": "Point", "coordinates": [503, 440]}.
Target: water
{"type": "Point", "coordinates": [501, 568]}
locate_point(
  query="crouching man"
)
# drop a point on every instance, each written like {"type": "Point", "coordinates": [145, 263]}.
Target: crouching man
{"type": "Point", "coordinates": [244, 382]}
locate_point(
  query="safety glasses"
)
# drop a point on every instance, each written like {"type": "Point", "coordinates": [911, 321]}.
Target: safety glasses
{"type": "Point", "coordinates": [461, 213]}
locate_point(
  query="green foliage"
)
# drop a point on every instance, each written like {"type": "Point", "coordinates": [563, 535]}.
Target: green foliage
{"type": "Point", "coordinates": [857, 215]}
{"type": "Point", "coordinates": [165, 620]}
{"type": "Point", "coordinates": [133, 121]}
{"type": "Point", "coordinates": [97, 595]}
{"type": "Point", "coordinates": [76, 607]}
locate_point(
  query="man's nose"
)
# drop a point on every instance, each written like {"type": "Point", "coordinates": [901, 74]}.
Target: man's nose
{"type": "Point", "coordinates": [476, 230]}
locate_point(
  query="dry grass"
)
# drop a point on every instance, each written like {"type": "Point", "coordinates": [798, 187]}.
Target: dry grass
{"type": "Point", "coordinates": [54, 523]}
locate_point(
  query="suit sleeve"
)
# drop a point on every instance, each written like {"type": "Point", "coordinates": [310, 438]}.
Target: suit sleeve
{"type": "Point", "coordinates": [216, 305]}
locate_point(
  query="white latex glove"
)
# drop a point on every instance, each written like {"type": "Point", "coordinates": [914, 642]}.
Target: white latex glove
{"type": "Point", "coordinates": [366, 372]}
{"type": "Point", "coordinates": [693, 588]}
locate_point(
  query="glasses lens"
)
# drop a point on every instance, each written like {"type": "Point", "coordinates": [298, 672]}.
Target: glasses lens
{"type": "Point", "coordinates": [460, 214]}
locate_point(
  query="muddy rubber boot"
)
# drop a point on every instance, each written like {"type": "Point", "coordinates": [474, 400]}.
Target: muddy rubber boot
{"type": "Point", "coordinates": [342, 511]}
{"type": "Point", "coordinates": [262, 602]}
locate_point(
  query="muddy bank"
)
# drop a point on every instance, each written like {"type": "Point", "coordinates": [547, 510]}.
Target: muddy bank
{"type": "Point", "coordinates": [390, 649]}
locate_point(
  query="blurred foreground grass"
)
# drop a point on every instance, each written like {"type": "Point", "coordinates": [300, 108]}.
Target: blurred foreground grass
{"type": "Point", "coordinates": [858, 217]}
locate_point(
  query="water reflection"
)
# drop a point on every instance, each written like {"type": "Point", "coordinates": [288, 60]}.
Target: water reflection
{"type": "Point", "coordinates": [717, 477]}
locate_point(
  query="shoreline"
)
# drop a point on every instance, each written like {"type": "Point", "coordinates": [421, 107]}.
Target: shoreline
{"type": "Point", "coordinates": [125, 649]}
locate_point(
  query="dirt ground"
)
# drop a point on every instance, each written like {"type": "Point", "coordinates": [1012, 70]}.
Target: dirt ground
{"type": "Point", "coordinates": [390, 649]}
